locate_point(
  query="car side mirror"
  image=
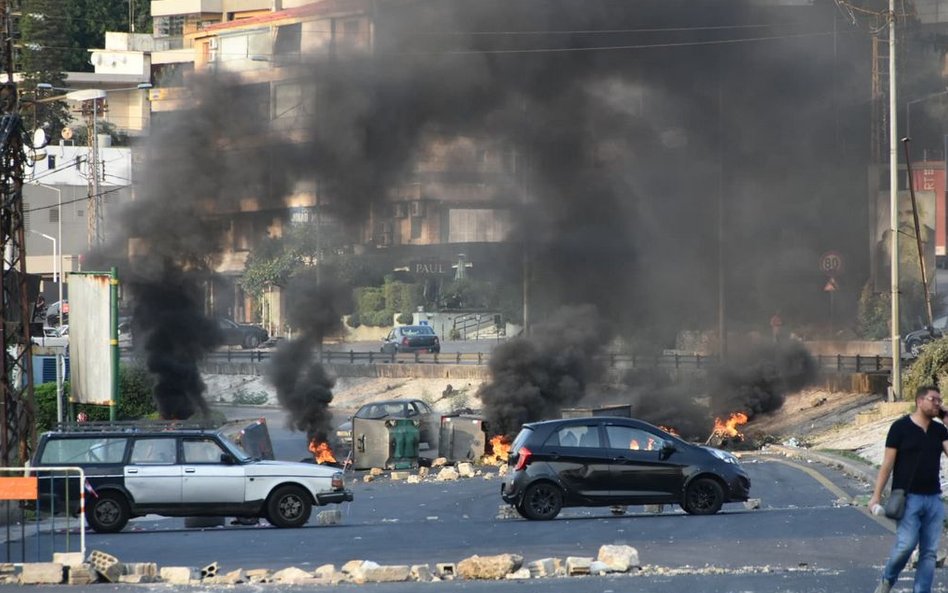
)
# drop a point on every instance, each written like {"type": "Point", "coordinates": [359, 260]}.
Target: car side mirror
{"type": "Point", "coordinates": [667, 449]}
{"type": "Point", "coordinates": [228, 459]}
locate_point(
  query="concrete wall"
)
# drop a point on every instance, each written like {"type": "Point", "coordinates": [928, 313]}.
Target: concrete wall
{"type": "Point", "coordinates": [398, 370]}
{"type": "Point", "coordinates": [849, 347]}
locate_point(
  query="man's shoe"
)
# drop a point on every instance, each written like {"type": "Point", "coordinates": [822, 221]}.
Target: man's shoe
{"type": "Point", "coordinates": [884, 587]}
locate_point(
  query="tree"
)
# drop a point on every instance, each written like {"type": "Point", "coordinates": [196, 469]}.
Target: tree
{"type": "Point", "coordinates": [45, 46]}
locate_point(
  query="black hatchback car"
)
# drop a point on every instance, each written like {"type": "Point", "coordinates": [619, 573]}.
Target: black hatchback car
{"type": "Point", "coordinates": [603, 461]}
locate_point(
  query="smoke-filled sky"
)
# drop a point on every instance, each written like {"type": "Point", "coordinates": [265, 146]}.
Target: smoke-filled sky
{"type": "Point", "coordinates": [632, 123]}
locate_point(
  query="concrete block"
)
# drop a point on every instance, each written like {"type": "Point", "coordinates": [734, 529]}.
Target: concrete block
{"type": "Point", "coordinates": [578, 565]}
{"type": "Point", "coordinates": [546, 567]}
{"type": "Point", "coordinates": [234, 577]}
{"type": "Point", "coordinates": [293, 576]}
{"type": "Point", "coordinates": [465, 470]}
{"type": "Point", "coordinates": [619, 558]}
{"type": "Point", "coordinates": [149, 569]}
{"type": "Point", "coordinates": [68, 558]}
{"type": "Point", "coordinates": [413, 480]}
{"type": "Point", "coordinates": [106, 565]}
{"type": "Point", "coordinates": [423, 472]}
{"type": "Point", "coordinates": [655, 508]}
{"type": "Point", "coordinates": [326, 570]}
{"type": "Point", "coordinates": [330, 517]}
{"type": "Point", "coordinates": [599, 568]}
{"type": "Point", "coordinates": [398, 476]}
{"type": "Point", "coordinates": [82, 574]}
{"type": "Point", "coordinates": [259, 575]}
{"type": "Point", "coordinates": [136, 579]}
{"type": "Point", "coordinates": [421, 573]}
{"type": "Point", "coordinates": [352, 566]}
{"type": "Point", "coordinates": [386, 574]}
{"type": "Point", "coordinates": [375, 472]}
{"type": "Point", "coordinates": [446, 570]}
{"type": "Point", "coordinates": [752, 504]}
{"type": "Point", "coordinates": [489, 567]}
{"type": "Point", "coordinates": [368, 478]}
{"type": "Point", "coordinates": [439, 462]}
{"type": "Point", "coordinates": [7, 568]}
{"type": "Point", "coordinates": [209, 571]}
{"type": "Point", "coordinates": [42, 573]}
{"type": "Point", "coordinates": [179, 575]}
{"type": "Point", "coordinates": [505, 511]}
{"type": "Point", "coordinates": [522, 574]}
{"type": "Point", "coordinates": [447, 474]}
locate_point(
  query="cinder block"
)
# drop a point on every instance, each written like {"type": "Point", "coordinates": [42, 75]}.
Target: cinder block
{"type": "Point", "coordinates": [578, 565]}
{"type": "Point", "coordinates": [413, 480]}
{"type": "Point", "coordinates": [330, 517]}
{"type": "Point", "coordinates": [106, 565]}
{"type": "Point", "coordinates": [421, 573]}
{"type": "Point", "coordinates": [446, 570]}
{"type": "Point", "coordinates": [398, 476]}
{"type": "Point", "coordinates": [82, 574]}
{"type": "Point", "coordinates": [41, 573]}
{"type": "Point", "coordinates": [68, 558]}
{"type": "Point", "coordinates": [209, 571]}
{"type": "Point", "coordinates": [179, 575]}
{"type": "Point", "coordinates": [752, 504]}
{"type": "Point", "coordinates": [655, 508]}
{"type": "Point", "coordinates": [149, 569]}
{"type": "Point", "coordinates": [465, 470]}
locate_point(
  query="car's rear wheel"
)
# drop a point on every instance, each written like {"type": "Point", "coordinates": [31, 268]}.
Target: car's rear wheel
{"type": "Point", "coordinates": [108, 513]}
{"type": "Point", "coordinates": [541, 502]}
{"type": "Point", "coordinates": [251, 342]}
{"type": "Point", "coordinates": [289, 506]}
{"type": "Point", "coordinates": [703, 496]}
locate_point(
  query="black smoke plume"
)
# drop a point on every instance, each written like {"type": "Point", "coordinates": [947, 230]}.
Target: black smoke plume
{"type": "Point", "coordinates": [533, 378]}
{"type": "Point", "coordinates": [623, 148]}
{"type": "Point", "coordinates": [304, 387]}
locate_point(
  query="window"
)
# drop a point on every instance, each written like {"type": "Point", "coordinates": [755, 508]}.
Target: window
{"type": "Point", "coordinates": [51, 161]}
{"type": "Point", "coordinates": [54, 214]}
{"type": "Point", "coordinates": [624, 437]}
{"type": "Point", "coordinates": [84, 450]}
{"type": "Point", "coordinates": [575, 436]}
{"type": "Point", "coordinates": [416, 224]}
{"type": "Point", "coordinates": [153, 451]}
{"type": "Point", "coordinates": [202, 451]}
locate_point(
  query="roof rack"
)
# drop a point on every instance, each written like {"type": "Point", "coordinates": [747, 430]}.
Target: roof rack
{"type": "Point", "coordinates": [132, 426]}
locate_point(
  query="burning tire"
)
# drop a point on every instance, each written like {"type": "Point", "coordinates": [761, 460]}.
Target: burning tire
{"type": "Point", "coordinates": [108, 513]}
{"type": "Point", "coordinates": [541, 502]}
{"type": "Point", "coordinates": [289, 506]}
{"type": "Point", "coordinates": [703, 496]}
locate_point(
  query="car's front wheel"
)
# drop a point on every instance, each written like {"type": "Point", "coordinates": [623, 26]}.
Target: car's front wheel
{"type": "Point", "coordinates": [108, 512]}
{"type": "Point", "coordinates": [289, 506]}
{"type": "Point", "coordinates": [251, 342]}
{"type": "Point", "coordinates": [541, 502]}
{"type": "Point", "coordinates": [703, 496]}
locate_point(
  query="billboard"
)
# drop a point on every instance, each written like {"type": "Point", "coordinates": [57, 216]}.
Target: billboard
{"type": "Point", "coordinates": [90, 337]}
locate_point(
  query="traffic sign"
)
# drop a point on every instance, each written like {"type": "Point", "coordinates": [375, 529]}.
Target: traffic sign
{"type": "Point", "coordinates": [831, 285]}
{"type": "Point", "coordinates": [831, 263]}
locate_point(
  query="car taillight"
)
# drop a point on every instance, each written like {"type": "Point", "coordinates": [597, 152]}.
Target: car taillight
{"type": "Point", "coordinates": [405, 341]}
{"type": "Point", "coordinates": [523, 457]}
{"type": "Point", "coordinates": [337, 483]}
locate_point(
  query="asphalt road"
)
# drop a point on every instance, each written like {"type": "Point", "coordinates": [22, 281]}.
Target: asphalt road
{"type": "Point", "coordinates": [799, 540]}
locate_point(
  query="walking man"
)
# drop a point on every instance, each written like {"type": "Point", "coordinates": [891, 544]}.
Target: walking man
{"type": "Point", "coordinates": [913, 450]}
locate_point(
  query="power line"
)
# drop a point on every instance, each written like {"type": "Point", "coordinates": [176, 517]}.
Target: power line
{"type": "Point", "coordinates": [84, 198]}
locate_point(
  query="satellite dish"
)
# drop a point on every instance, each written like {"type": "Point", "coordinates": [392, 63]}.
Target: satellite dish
{"type": "Point", "coordinates": [39, 138]}
{"type": "Point", "coordinates": [36, 155]}
{"type": "Point", "coordinates": [67, 133]}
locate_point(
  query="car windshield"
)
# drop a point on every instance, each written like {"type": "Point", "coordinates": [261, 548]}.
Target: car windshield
{"type": "Point", "coordinates": [418, 330]}
{"type": "Point", "coordinates": [381, 410]}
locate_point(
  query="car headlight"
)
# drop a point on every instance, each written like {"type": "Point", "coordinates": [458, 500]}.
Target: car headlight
{"type": "Point", "coordinates": [724, 456]}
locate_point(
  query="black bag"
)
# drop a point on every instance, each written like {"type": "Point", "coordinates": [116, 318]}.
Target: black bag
{"type": "Point", "coordinates": [895, 504]}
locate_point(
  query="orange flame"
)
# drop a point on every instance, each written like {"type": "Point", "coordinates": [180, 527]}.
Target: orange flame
{"type": "Point", "coordinates": [321, 451]}
{"type": "Point", "coordinates": [670, 430]}
{"type": "Point", "coordinates": [728, 428]}
{"type": "Point", "coordinates": [498, 450]}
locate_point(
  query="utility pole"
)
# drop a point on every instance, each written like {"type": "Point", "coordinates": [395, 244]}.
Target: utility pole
{"type": "Point", "coordinates": [16, 369]}
{"type": "Point", "coordinates": [95, 216]}
{"type": "Point", "coordinates": [894, 212]}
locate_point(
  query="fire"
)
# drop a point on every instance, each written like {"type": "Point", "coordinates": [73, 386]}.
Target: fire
{"type": "Point", "coordinates": [498, 450]}
{"type": "Point", "coordinates": [670, 430]}
{"type": "Point", "coordinates": [728, 428]}
{"type": "Point", "coordinates": [321, 451]}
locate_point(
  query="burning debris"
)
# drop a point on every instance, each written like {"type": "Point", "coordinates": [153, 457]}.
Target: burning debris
{"type": "Point", "coordinates": [498, 450]}
{"type": "Point", "coordinates": [322, 452]}
{"type": "Point", "coordinates": [726, 430]}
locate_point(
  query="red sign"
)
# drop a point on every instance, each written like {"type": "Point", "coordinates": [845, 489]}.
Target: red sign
{"type": "Point", "coordinates": [930, 176]}
{"type": "Point", "coordinates": [831, 285]}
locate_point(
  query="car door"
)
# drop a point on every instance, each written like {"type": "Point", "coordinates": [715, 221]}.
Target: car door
{"type": "Point", "coordinates": [152, 475]}
{"type": "Point", "coordinates": [641, 471]}
{"type": "Point", "coordinates": [206, 478]}
{"type": "Point", "coordinates": [577, 454]}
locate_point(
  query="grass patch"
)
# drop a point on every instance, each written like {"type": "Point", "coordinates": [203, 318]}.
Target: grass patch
{"type": "Point", "coordinates": [848, 454]}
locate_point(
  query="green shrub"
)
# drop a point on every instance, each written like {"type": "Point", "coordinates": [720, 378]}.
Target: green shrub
{"type": "Point", "coordinates": [134, 401]}
{"type": "Point", "coordinates": [405, 318]}
{"type": "Point", "coordinates": [257, 398]}
{"type": "Point", "coordinates": [930, 368]}
{"type": "Point", "coordinates": [369, 299]}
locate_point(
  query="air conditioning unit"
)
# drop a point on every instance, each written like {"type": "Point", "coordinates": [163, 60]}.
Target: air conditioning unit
{"type": "Point", "coordinates": [401, 210]}
{"type": "Point", "coordinates": [417, 208]}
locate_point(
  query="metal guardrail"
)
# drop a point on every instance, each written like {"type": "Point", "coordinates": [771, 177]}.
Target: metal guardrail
{"type": "Point", "coordinates": [51, 532]}
{"type": "Point", "coordinates": [838, 362]}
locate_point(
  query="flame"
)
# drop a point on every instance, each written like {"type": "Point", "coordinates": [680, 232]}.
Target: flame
{"type": "Point", "coordinates": [321, 451]}
{"type": "Point", "coordinates": [670, 430]}
{"type": "Point", "coordinates": [498, 450]}
{"type": "Point", "coordinates": [728, 428]}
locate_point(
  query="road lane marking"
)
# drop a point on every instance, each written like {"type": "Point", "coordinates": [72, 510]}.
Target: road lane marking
{"type": "Point", "coordinates": [839, 492]}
